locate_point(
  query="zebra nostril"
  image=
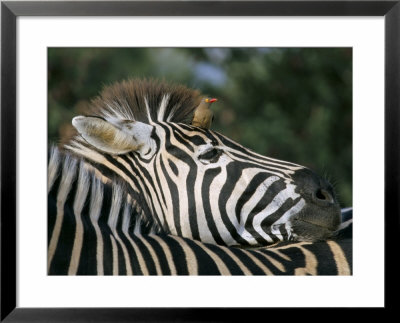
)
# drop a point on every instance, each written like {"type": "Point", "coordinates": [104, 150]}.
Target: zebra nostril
{"type": "Point", "coordinates": [323, 195]}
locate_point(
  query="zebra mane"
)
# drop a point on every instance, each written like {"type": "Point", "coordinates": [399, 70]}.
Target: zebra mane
{"type": "Point", "coordinates": [146, 101]}
{"type": "Point", "coordinates": [73, 175]}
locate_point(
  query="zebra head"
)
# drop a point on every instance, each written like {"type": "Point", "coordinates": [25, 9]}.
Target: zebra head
{"type": "Point", "coordinates": [201, 185]}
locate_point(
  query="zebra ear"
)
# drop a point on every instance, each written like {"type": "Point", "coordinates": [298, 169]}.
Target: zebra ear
{"type": "Point", "coordinates": [116, 139]}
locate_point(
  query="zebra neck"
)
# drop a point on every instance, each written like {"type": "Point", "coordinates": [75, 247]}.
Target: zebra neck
{"type": "Point", "coordinates": [78, 187]}
{"type": "Point", "coordinates": [126, 169]}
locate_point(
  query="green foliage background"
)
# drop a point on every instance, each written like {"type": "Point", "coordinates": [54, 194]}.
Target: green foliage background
{"type": "Point", "coordinates": [293, 104]}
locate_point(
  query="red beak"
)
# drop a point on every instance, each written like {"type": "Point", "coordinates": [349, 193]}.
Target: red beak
{"type": "Point", "coordinates": [213, 100]}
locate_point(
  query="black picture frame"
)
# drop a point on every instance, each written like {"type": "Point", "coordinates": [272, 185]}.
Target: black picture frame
{"type": "Point", "coordinates": [11, 10]}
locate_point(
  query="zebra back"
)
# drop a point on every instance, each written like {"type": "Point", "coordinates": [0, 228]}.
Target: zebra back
{"type": "Point", "coordinates": [133, 254]}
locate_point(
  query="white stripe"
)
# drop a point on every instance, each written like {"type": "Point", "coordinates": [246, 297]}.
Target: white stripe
{"type": "Point", "coordinates": [147, 109]}
{"type": "Point", "coordinates": [117, 112]}
{"type": "Point", "coordinates": [168, 207]}
{"type": "Point", "coordinates": [115, 207]}
{"type": "Point", "coordinates": [162, 108]}
{"type": "Point", "coordinates": [281, 172]}
{"type": "Point", "coordinates": [289, 213]}
{"type": "Point", "coordinates": [139, 256]}
{"type": "Point", "coordinates": [68, 175]}
{"type": "Point", "coordinates": [342, 265]}
{"type": "Point", "coordinates": [53, 167]}
{"type": "Point", "coordinates": [112, 222]}
{"type": "Point", "coordinates": [262, 159]}
{"type": "Point", "coordinates": [79, 202]}
{"type": "Point", "coordinates": [172, 112]}
{"type": "Point", "coordinates": [190, 257]}
{"type": "Point", "coordinates": [95, 209]}
{"type": "Point", "coordinates": [272, 207]}
{"type": "Point", "coordinates": [255, 198]}
{"type": "Point", "coordinates": [167, 253]}
{"type": "Point", "coordinates": [152, 198]}
{"type": "Point", "coordinates": [238, 262]}
{"type": "Point", "coordinates": [264, 268]}
{"type": "Point", "coordinates": [153, 254]}
{"type": "Point", "coordinates": [100, 159]}
{"type": "Point", "coordinates": [115, 266]}
{"type": "Point", "coordinates": [214, 192]}
{"type": "Point", "coordinates": [204, 231]}
{"type": "Point", "coordinates": [222, 268]}
{"type": "Point", "coordinates": [273, 261]}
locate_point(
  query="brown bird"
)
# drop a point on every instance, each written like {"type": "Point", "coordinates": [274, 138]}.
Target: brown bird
{"type": "Point", "coordinates": [203, 115]}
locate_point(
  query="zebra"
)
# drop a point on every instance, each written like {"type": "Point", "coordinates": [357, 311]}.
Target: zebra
{"type": "Point", "coordinates": [103, 232]}
{"type": "Point", "coordinates": [193, 182]}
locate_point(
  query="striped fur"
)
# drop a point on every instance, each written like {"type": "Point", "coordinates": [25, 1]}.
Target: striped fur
{"type": "Point", "coordinates": [194, 182]}
{"type": "Point", "coordinates": [171, 255]}
{"type": "Point", "coordinates": [94, 229]}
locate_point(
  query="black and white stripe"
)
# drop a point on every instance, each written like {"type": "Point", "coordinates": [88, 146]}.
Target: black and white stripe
{"type": "Point", "coordinates": [94, 229]}
{"type": "Point", "coordinates": [235, 198]}
{"type": "Point", "coordinates": [194, 182]}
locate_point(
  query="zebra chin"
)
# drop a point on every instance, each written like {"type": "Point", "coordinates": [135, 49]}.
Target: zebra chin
{"type": "Point", "coordinates": [315, 224]}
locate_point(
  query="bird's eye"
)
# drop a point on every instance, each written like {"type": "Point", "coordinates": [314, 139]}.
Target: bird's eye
{"type": "Point", "coordinates": [211, 155]}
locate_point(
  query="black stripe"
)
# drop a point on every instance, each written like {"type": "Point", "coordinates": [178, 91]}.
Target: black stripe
{"type": "Point", "coordinates": [105, 231]}
{"type": "Point", "coordinates": [52, 207]}
{"type": "Point", "coordinates": [161, 256]}
{"type": "Point", "coordinates": [121, 243]}
{"type": "Point", "coordinates": [283, 232]}
{"type": "Point", "coordinates": [136, 270]}
{"type": "Point", "coordinates": [62, 255]}
{"type": "Point", "coordinates": [275, 270]}
{"type": "Point", "coordinates": [250, 163]}
{"type": "Point", "coordinates": [229, 143]}
{"type": "Point", "coordinates": [257, 270]}
{"type": "Point", "coordinates": [156, 175]}
{"type": "Point", "coordinates": [178, 255]}
{"type": "Point", "coordinates": [173, 167]}
{"type": "Point", "coordinates": [268, 221]}
{"type": "Point", "coordinates": [155, 137]}
{"type": "Point", "coordinates": [182, 140]}
{"type": "Point", "coordinates": [148, 259]}
{"type": "Point", "coordinates": [273, 190]}
{"type": "Point", "coordinates": [171, 131]}
{"type": "Point", "coordinates": [209, 176]}
{"type": "Point", "coordinates": [226, 259]}
{"type": "Point", "coordinates": [206, 265]}
{"type": "Point", "coordinates": [248, 193]}
{"type": "Point", "coordinates": [247, 261]}
{"type": "Point", "coordinates": [87, 262]}
{"type": "Point", "coordinates": [326, 264]}
{"type": "Point", "coordinates": [175, 200]}
{"type": "Point", "coordinates": [195, 139]}
{"type": "Point", "coordinates": [190, 128]}
{"type": "Point", "coordinates": [141, 173]}
{"type": "Point", "coordinates": [225, 194]}
{"type": "Point", "coordinates": [272, 218]}
{"type": "Point", "coordinates": [296, 256]}
{"type": "Point", "coordinates": [192, 212]}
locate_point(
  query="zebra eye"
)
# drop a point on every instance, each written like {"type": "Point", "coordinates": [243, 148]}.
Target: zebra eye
{"type": "Point", "coordinates": [211, 155]}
